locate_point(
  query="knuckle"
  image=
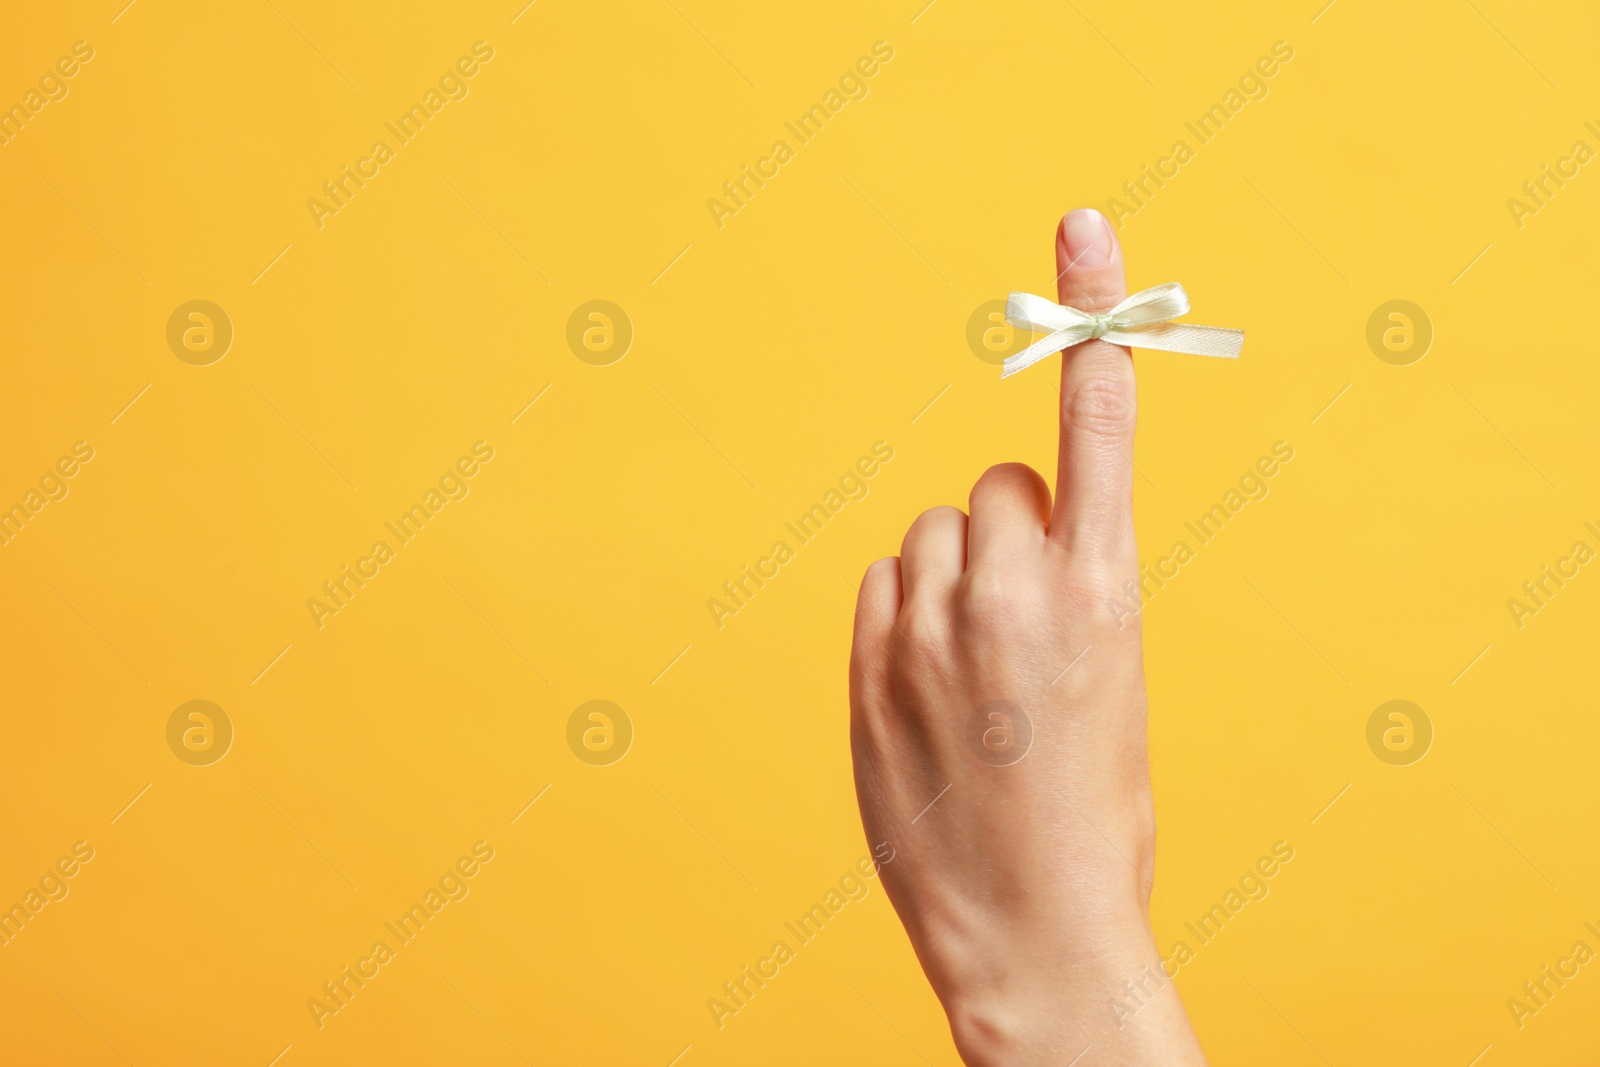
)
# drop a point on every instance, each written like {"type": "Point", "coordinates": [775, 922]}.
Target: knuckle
{"type": "Point", "coordinates": [1005, 475]}
{"type": "Point", "coordinates": [995, 598]}
{"type": "Point", "coordinates": [1104, 404]}
{"type": "Point", "coordinates": [1106, 594]}
{"type": "Point", "coordinates": [935, 523]}
{"type": "Point", "coordinates": [935, 518]}
{"type": "Point", "coordinates": [877, 600]}
{"type": "Point", "coordinates": [1006, 480]}
{"type": "Point", "coordinates": [923, 633]}
{"type": "Point", "coordinates": [881, 570]}
{"type": "Point", "coordinates": [1097, 577]}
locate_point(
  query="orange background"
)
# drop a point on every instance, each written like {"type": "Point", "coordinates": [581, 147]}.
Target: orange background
{"type": "Point", "coordinates": [768, 354]}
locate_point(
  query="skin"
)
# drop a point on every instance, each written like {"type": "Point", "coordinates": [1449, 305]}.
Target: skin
{"type": "Point", "coordinates": [1024, 883]}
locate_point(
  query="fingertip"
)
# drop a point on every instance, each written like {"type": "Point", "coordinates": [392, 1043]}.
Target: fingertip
{"type": "Point", "coordinates": [1089, 267]}
{"type": "Point", "coordinates": [1084, 240]}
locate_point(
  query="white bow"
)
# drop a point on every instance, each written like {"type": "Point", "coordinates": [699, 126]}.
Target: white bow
{"type": "Point", "coordinates": [1139, 321]}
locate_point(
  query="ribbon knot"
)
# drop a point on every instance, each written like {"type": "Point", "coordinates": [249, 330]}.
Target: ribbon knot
{"type": "Point", "coordinates": [1103, 324]}
{"type": "Point", "coordinates": [1142, 321]}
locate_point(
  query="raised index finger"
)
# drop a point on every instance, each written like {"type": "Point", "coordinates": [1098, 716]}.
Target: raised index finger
{"type": "Point", "coordinates": [1094, 475]}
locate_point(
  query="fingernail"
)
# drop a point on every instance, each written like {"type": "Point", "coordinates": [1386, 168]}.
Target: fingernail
{"type": "Point", "coordinates": [1087, 237]}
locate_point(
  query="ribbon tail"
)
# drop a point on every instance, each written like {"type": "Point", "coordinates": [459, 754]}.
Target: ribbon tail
{"type": "Point", "coordinates": [1040, 315]}
{"type": "Point", "coordinates": [1179, 337]}
{"type": "Point", "coordinates": [1049, 346]}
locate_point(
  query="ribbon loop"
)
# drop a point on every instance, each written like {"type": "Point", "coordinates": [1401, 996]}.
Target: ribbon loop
{"type": "Point", "coordinates": [1142, 321]}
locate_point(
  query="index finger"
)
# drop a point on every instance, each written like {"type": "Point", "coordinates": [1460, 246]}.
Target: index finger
{"type": "Point", "coordinates": [1094, 473]}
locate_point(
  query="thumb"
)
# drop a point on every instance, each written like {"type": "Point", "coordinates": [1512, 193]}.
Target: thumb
{"type": "Point", "coordinates": [1094, 475]}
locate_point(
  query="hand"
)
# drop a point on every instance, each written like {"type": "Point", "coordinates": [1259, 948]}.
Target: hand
{"type": "Point", "coordinates": [998, 731]}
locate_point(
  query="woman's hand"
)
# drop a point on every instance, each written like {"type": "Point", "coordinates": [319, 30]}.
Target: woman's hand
{"type": "Point", "coordinates": [998, 730]}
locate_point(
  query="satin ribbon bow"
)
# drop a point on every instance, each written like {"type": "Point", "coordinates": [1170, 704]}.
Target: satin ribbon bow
{"type": "Point", "coordinates": [1139, 321]}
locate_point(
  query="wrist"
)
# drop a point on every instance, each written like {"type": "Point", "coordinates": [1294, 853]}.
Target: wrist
{"type": "Point", "coordinates": [1046, 1008]}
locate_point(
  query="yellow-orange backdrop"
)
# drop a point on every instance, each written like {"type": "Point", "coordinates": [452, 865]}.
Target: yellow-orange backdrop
{"type": "Point", "coordinates": [569, 155]}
